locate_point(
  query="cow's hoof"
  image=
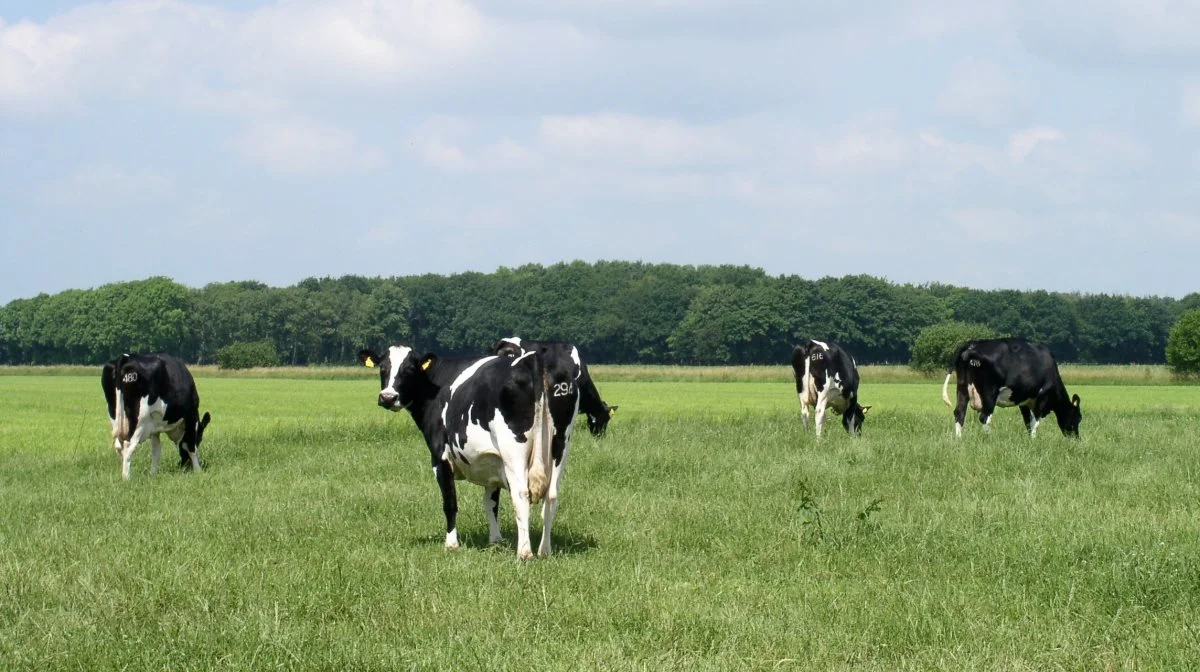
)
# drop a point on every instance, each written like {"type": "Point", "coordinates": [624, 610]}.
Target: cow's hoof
{"type": "Point", "coordinates": [451, 547]}
{"type": "Point", "coordinates": [525, 555]}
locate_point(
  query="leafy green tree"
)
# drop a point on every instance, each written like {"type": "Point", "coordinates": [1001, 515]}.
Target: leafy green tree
{"type": "Point", "coordinates": [1183, 345]}
{"type": "Point", "coordinates": [248, 355]}
{"type": "Point", "coordinates": [935, 345]}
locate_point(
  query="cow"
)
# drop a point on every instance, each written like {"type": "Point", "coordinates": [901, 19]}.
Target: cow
{"type": "Point", "coordinates": [1010, 372]}
{"type": "Point", "coordinates": [827, 378]}
{"type": "Point", "coordinates": [484, 420]}
{"type": "Point", "coordinates": [149, 395]}
{"type": "Point", "coordinates": [590, 404]}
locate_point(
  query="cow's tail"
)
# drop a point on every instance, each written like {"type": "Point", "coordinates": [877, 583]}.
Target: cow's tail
{"type": "Point", "coordinates": [946, 389]}
{"type": "Point", "coordinates": [541, 435]}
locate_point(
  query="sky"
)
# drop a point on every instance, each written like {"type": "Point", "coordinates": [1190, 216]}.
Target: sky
{"type": "Point", "coordinates": [1049, 144]}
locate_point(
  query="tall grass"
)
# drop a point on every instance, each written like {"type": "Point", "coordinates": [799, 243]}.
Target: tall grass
{"type": "Point", "coordinates": [707, 531]}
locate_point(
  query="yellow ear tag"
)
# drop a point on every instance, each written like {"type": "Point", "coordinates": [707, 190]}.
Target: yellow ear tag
{"type": "Point", "coordinates": [370, 363]}
{"type": "Point", "coordinates": [425, 364]}
{"type": "Point", "coordinates": [612, 412]}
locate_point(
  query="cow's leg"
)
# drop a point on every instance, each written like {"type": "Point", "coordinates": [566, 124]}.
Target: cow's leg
{"type": "Point", "coordinates": [988, 402]}
{"type": "Point", "coordinates": [550, 506]}
{"type": "Point", "coordinates": [1031, 420]}
{"type": "Point", "coordinates": [960, 408]}
{"type": "Point", "coordinates": [155, 451]}
{"type": "Point", "coordinates": [822, 406]}
{"type": "Point", "coordinates": [127, 452]}
{"type": "Point", "coordinates": [518, 486]}
{"type": "Point", "coordinates": [445, 480]}
{"type": "Point", "coordinates": [491, 509]}
{"type": "Point", "coordinates": [192, 453]}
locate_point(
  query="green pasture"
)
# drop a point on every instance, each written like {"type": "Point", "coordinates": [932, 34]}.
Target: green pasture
{"type": "Point", "coordinates": [707, 531]}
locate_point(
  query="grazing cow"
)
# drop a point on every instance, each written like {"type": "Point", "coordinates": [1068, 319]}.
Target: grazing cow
{"type": "Point", "coordinates": [1010, 372]}
{"type": "Point", "coordinates": [590, 404]}
{"type": "Point", "coordinates": [148, 395]}
{"type": "Point", "coordinates": [484, 420]}
{"type": "Point", "coordinates": [827, 377]}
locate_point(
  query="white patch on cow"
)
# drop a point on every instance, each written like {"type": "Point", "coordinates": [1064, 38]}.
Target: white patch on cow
{"type": "Point", "coordinates": [468, 373]}
{"type": "Point", "coordinates": [452, 539]}
{"type": "Point", "coordinates": [578, 362]}
{"type": "Point", "coordinates": [1004, 398]}
{"type": "Point", "coordinates": [987, 424]}
{"type": "Point", "coordinates": [958, 430]}
{"type": "Point", "coordinates": [823, 346]}
{"type": "Point", "coordinates": [149, 425]}
{"type": "Point", "coordinates": [523, 356]}
{"type": "Point", "coordinates": [1033, 425]}
{"type": "Point", "coordinates": [480, 459]}
{"type": "Point", "coordinates": [976, 400]}
{"type": "Point", "coordinates": [396, 355]}
{"type": "Point", "coordinates": [515, 340]}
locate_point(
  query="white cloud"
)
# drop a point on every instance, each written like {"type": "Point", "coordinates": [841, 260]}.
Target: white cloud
{"type": "Point", "coordinates": [1106, 32]}
{"type": "Point", "coordinates": [34, 61]}
{"type": "Point", "coordinates": [1022, 143]}
{"type": "Point", "coordinates": [372, 41]}
{"type": "Point", "coordinates": [624, 138]}
{"type": "Point", "coordinates": [444, 143]}
{"type": "Point", "coordinates": [982, 92]}
{"type": "Point", "coordinates": [303, 146]}
{"type": "Point", "coordinates": [870, 145]}
{"type": "Point", "coordinates": [107, 186]}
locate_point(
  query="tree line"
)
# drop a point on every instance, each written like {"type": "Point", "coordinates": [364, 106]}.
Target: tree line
{"type": "Point", "coordinates": [616, 311]}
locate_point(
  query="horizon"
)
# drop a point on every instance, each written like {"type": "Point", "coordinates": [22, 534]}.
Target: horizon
{"type": "Point", "coordinates": [924, 285]}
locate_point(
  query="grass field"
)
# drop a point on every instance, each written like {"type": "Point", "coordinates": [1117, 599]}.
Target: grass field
{"type": "Point", "coordinates": [707, 531]}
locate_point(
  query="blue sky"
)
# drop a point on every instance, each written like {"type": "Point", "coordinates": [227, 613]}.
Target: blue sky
{"type": "Point", "coordinates": [1051, 144]}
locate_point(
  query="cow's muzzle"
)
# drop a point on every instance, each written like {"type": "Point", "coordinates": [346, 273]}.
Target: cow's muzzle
{"type": "Point", "coordinates": [390, 400]}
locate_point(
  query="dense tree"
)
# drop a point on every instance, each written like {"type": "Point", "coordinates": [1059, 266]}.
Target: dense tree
{"type": "Point", "coordinates": [935, 345]}
{"type": "Point", "coordinates": [617, 311]}
{"type": "Point", "coordinates": [1183, 346]}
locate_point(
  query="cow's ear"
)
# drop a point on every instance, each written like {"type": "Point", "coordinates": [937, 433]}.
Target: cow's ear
{"type": "Point", "coordinates": [367, 358]}
{"type": "Point", "coordinates": [427, 361]}
{"type": "Point", "coordinates": [865, 409]}
{"type": "Point", "coordinates": [204, 420]}
{"type": "Point", "coordinates": [1075, 400]}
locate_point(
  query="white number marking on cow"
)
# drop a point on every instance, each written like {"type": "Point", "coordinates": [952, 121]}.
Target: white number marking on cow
{"type": "Point", "coordinates": [563, 389]}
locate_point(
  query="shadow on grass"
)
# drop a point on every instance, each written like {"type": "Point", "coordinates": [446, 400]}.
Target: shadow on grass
{"type": "Point", "coordinates": [562, 542]}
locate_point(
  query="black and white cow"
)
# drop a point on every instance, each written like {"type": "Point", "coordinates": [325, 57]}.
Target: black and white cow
{"type": "Point", "coordinates": [149, 395]}
{"type": "Point", "coordinates": [590, 404]}
{"type": "Point", "coordinates": [563, 372]}
{"type": "Point", "coordinates": [827, 378]}
{"type": "Point", "coordinates": [1010, 372]}
{"type": "Point", "coordinates": [484, 420]}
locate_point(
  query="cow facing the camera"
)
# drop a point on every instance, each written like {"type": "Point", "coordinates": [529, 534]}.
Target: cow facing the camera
{"type": "Point", "coordinates": [484, 420]}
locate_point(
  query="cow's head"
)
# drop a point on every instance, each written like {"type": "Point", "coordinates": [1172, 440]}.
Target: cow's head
{"type": "Point", "coordinates": [852, 419]}
{"type": "Point", "coordinates": [507, 346]}
{"type": "Point", "coordinates": [184, 458]}
{"type": "Point", "coordinates": [1069, 417]}
{"type": "Point", "coordinates": [598, 422]}
{"type": "Point", "coordinates": [401, 374]}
